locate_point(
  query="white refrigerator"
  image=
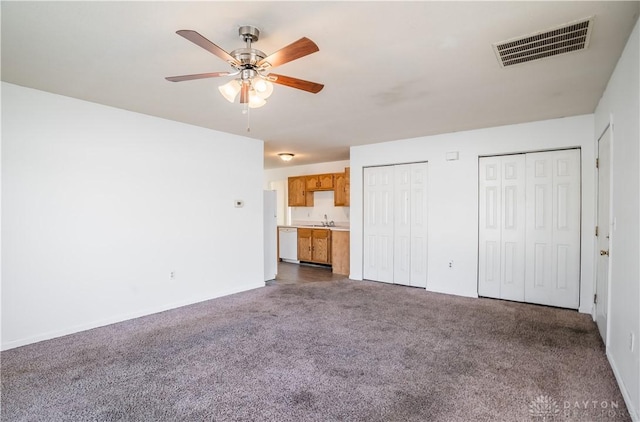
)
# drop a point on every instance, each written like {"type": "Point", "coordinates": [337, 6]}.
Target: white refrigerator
{"type": "Point", "coordinates": [270, 235]}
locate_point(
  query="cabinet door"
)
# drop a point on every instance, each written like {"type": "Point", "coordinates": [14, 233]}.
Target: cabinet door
{"type": "Point", "coordinates": [326, 181]}
{"type": "Point", "coordinates": [319, 182]}
{"type": "Point", "coordinates": [304, 245]}
{"type": "Point", "coordinates": [339, 192]}
{"type": "Point", "coordinates": [340, 252]}
{"type": "Point", "coordinates": [298, 194]}
{"type": "Point", "coordinates": [312, 182]}
{"type": "Point", "coordinates": [322, 246]}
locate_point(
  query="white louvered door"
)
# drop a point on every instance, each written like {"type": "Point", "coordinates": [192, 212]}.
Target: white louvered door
{"type": "Point", "coordinates": [529, 227]}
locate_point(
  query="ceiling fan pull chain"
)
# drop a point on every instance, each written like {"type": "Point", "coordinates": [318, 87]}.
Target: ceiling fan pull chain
{"type": "Point", "coordinates": [246, 111]}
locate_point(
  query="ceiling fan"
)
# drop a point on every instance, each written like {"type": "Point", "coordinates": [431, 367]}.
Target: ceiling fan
{"type": "Point", "coordinates": [252, 66]}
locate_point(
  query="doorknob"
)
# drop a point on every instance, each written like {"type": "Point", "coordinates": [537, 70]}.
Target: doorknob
{"type": "Point", "coordinates": [603, 252]}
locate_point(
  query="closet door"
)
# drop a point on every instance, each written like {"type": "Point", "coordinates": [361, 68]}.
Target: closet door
{"type": "Point", "coordinates": [553, 228]}
{"type": "Point", "coordinates": [402, 225]}
{"type": "Point", "coordinates": [378, 223]}
{"type": "Point", "coordinates": [395, 224]}
{"type": "Point", "coordinates": [410, 228]}
{"type": "Point", "coordinates": [418, 272]}
{"type": "Point", "coordinates": [501, 266]}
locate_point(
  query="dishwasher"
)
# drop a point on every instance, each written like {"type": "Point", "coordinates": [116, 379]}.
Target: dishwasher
{"type": "Point", "coordinates": [288, 241]}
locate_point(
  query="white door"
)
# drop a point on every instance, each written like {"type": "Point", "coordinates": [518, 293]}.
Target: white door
{"type": "Point", "coordinates": [395, 229]}
{"type": "Point", "coordinates": [603, 233]}
{"type": "Point", "coordinates": [553, 228]}
{"type": "Point", "coordinates": [502, 227]}
{"type": "Point", "coordinates": [378, 223]}
{"type": "Point", "coordinates": [418, 272]}
{"type": "Point", "coordinates": [402, 225]}
{"type": "Point", "coordinates": [529, 227]}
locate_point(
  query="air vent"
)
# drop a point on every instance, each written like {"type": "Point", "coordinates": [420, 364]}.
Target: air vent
{"type": "Point", "coordinates": [567, 38]}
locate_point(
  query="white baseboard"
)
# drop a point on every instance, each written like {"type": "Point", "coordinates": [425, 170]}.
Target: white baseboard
{"type": "Point", "coordinates": [625, 394]}
{"type": "Point", "coordinates": [123, 317]}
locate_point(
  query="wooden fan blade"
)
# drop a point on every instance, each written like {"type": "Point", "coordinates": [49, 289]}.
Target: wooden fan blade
{"type": "Point", "coordinates": [293, 51]}
{"type": "Point", "coordinates": [244, 93]}
{"type": "Point", "coordinates": [296, 83]}
{"type": "Point", "coordinates": [197, 76]}
{"type": "Point", "coordinates": [198, 39]}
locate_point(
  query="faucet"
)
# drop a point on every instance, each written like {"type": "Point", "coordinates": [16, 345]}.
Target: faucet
{"type": "Point", "coordinates": [326, 221]}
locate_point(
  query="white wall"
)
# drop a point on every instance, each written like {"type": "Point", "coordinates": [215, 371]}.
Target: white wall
{"type": "Point", "coordinates": [453, 194]}
{"type": "Point", "coordinates": [99, 205]}
{"type": "Point", "coordinates": [323, 201]}
{"type": "Point", "coordinates": [620, 106]}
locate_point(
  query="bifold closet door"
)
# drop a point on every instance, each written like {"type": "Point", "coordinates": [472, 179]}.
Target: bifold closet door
{"type": "Point", "coordinates": [410, 225]}
{"type": "Point", "coordinates": [553, 228]}
{"type": "Point", "coordinates": [529, 228]}
{"type": "Point", "coordinates": [395, 224]}
{"type": "Point", "coordinates": [378, 223]}
{"type": "Point", "coordinates": [502, 202]}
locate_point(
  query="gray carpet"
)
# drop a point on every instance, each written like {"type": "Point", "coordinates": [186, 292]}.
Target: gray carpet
{"type": "Point", "coordinates": [325, 351]}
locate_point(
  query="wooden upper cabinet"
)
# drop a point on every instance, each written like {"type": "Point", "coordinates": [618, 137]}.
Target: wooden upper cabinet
{"type": "Point", "coordinates": [341, 188]}
{"type": "Point", "coordinates": [320, 182]}
{"type": "Point", "coordinates": [298, 194]}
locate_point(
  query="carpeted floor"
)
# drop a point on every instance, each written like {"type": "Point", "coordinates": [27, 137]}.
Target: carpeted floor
{"type": "Point", "coordinates": [336, 350]}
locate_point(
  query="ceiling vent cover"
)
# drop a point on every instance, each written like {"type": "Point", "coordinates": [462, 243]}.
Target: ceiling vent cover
{"type": "Point", "coordinates": [572, 36]}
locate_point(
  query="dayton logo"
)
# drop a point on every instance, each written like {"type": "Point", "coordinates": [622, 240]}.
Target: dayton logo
{"type": "Point", "coordinates": [544, 407]}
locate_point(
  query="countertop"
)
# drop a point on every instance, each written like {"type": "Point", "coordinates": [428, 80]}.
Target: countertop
{"type": "Point", "coordinates": [316, 226]}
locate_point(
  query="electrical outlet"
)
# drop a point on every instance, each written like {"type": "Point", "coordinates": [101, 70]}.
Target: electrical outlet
{"type": "Point", "coordinates": [172, 275]}
{"type": "Point", "coordinates": [451, 264]}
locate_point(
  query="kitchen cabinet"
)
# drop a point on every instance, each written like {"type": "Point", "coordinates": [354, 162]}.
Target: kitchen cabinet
{"type": "Point", "coordinates": [340, 252]}
{"type": "Point", "coordinates": [314, 245]}
{"type": "Point", "coordinates": [298, 194]}
{"type": "Point", "coordinates": [320, 182]}
{"type": "Point", "coordinates": [342, 189]}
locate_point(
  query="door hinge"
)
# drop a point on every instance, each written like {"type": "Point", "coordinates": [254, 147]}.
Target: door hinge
{"type": "Point", "coordinates": [596, 230]}
{"type": "Point", "coordinates": [595, 298]}
{"type": "Point", "coordinates": [597, 163]}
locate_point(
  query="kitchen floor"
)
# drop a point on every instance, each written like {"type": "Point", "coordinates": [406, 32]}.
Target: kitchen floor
{"type": "Point", "coordinates": [295, 273]}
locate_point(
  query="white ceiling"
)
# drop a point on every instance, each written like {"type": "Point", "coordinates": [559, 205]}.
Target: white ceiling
{"type": "Point", "coordinates": [391, 70]}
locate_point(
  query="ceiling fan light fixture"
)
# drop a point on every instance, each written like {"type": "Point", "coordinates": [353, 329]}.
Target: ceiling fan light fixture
{"type": "Point", "coordinates": [255, 100]}
{"type": "Point", "coordinates": [230, 90]}
{"type": "Point", "coordinates": [286, 156]}
{"type": "Point", "coordinates": [262, 87]}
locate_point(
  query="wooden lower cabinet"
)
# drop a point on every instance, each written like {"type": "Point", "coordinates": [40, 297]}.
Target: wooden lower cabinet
{"type": "Point", "coordinates": [314, 245]}
{"type": "Point", "coordinates": [340, 252]}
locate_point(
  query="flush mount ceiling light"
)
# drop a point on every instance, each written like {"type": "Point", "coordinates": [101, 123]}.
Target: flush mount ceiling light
{"type": "Point", "coordinates": [286, 156]}
{"type": "Point", "coordinates": [254, 83]}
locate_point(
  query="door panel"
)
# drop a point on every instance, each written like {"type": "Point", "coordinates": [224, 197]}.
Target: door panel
{"type": "Point", "coordinates": [378, 227]}
{"type": "Point", "coordinates": [604, 233]}
{"type": "Point", "coordinates": [418, 275]}
{"type": "Point", "coordinates": [513, 227]}
{"type": "Point", "coordinates": [402, 226]}
{"type": "Point", "coordinates": [553, 228]}
{"type": "Point", "coordinates": [490, 233]}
